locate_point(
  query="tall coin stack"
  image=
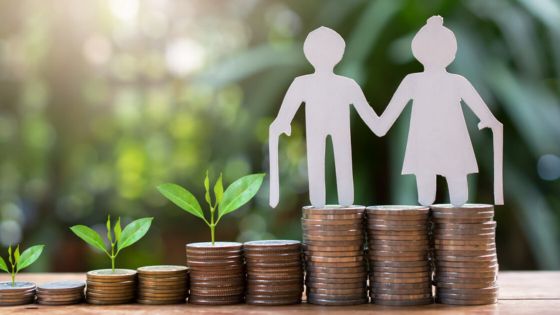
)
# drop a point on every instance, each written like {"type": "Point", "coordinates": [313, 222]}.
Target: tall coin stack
{"type": "Point", "coordinates": [399, 250]}
{"type": "Point", "coordinates": [333, 238]}
{"type": "Point", "coordinates": [466, 264]}
{"type": "Point", "coordinates": [107, 287]}
{"type": "Point", "coordinates": [217, 274]}
{"type": "Point", "coordinates": [61, 292]}
{"type": "Point", "coordinates": [274, 272]}
{"type": "Point", "coordinates": [162, 284]}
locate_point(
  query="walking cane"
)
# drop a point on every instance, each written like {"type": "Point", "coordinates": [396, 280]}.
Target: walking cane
{"type": "Point", "coordinates": [274, 194]}
{"type": "Point", "coordinates": [498, 143]}
{"type": "Point", "coordinates": [498, 148]}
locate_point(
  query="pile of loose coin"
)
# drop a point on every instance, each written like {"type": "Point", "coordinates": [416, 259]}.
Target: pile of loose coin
{"type": "Point", "coordinates": [61, 292]}
{"type": "Point", "coordinates": [399, 252]}
{"type": "Point", "coordinates": [217, 274]}
{"type": "Point", "coordinates": [17, 293]}
{"type": "Point", "coordinates": [108, 287]}
{"type": "Point", "coordinates": [162, 284]}
{"type": "Point", "coordinates": [466, 264]}
{"type": "Point", "coordinates": [274, 272]}
{"type": "Point", "coordinates": [335, 267]}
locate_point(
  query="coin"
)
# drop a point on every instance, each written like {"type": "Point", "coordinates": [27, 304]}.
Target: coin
{"type": "Point", "coordinates": [397, 210]}
{"type": "Point", "coordinates": [163, 270]}
{"type": "Point", "coordinates": [333, 209]}
{"type": "Point", "coordinates": [349, 216]}
{"type": "Point", "coordinates": [331, 227]}
{"type": "Point", "coordinates": [350, 232]}
{"type": "Point", "coordinates": [464, 209]}
{"type": "Point", "coordinates": [338, 302]}
{"type": "Point", "coordinates": [111, 275]}
{"type": "Point", "coordinates": [317, 243]}
{"type": "Point", "coordinates": [414, 237]}
{"type": "Point", "coordinates": [424, 301]}
{"type": "Point", "coordinates": [61, 292]}
{"type": "Point", "coordinates": [349, 248]}
{"type": "Point", "coordinates": [397, 222]}
{"type": "Point", "coordinates": [205, 300]}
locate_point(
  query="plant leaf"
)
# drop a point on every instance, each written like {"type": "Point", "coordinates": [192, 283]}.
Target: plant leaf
{"type": "Point", "coordinates": [3, 265]}
{"type": "Point", "coordinates": [239, 193]}
{"type": "Point", "coordinates": [10, 255]}
{"type": "Point", "coordinates": [29, 256]}
{"type": "Point", "coordinates": [109, 229]}
{"type": "Point", "coordinates": [182, 198]}
{"type": "Point", "coordinates": [134, 232]}
{"type": "Point", "coordinates": [16, 255]}
{"type": "Point", "coordinates": [118, 230]}
{"type": "Point", "coordinates": [219, 190]}
{"type": "Point", "coordinates": [89, 236]}
{"type": "Point", "coordinates": [207, 189]}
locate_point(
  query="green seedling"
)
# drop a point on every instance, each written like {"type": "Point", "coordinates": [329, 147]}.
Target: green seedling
{"type": "Point", "coordinates": [19, 262]}
{"type": "Point", "coordinates": [235, 196]}
{"type": "Point", "coordinates": [131, 234]}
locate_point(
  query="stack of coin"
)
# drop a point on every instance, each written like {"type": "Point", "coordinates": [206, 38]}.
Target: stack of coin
{"type": "Point", "coordinates": [274, 272]}
{"type": "Point", "coordinates": [162, 284]}
{"type": "Point", "coordinates": [466, 264]}
{"type": "Point", "coordinates": [107, 287]}
{"type": "Point", "coordinates": [217, 273]}
{"type": "Point", "coordinates": [17, 293]}
{"type": "Point", "coordinates": [61, 292]}
{"type": "Point", "coordinates": [333, 238]}
{"type": "Point", "coordinates": [399, 255]}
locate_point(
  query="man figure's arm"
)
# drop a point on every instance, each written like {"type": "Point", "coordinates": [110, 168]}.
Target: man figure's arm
{"type": "Point", "coordinates": [365, 111]}
{"type": "Point", "coordinates": [291, 103]}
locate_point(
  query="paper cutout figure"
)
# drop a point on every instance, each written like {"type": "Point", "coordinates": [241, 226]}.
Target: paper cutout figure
{"type": "Point", "coordinates": [327, 99]}
{"type": "Point", "coordinates": [438, 139]}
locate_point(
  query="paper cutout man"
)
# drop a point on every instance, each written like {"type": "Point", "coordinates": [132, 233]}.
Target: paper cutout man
{"type": "Point", "coordinates": [327, 99]}
{"type": "Point", "coordinates": [438, 139]}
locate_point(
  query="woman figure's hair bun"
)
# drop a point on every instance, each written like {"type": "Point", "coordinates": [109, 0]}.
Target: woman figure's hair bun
{"type": "Point", "coordinates": [435, 20]}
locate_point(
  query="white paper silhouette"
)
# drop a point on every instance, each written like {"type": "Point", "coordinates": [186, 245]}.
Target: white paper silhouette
{"type": "Point", "coordinates": [438, 139]}
{"type": "Point", "coordinates": [327, 99]}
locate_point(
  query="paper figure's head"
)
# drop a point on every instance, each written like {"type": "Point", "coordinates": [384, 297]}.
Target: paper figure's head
{"type": "Point", "coordinates": [434, 45]}
{"type": "Point", "coordinates": [324, 48]}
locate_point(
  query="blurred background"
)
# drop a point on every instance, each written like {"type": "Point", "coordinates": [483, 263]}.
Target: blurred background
{"type": "Point", "coordinates": [102, 100]}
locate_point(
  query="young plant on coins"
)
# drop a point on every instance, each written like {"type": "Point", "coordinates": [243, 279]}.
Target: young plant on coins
{"type": "Point", "coordinates": [21, 261]}
{"type": "Point", "coordinates": [131, 234]}
{"type": "Point", "coordinates": [17, 293]}
{"type": "Point", "coordinates": [235, 196]}
{"type": "Point", "coordinates": [215, 268]}
{"type": "Point", "coordinates": [112, 286]}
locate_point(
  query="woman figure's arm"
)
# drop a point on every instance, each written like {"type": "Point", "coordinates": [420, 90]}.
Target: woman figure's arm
{"type": "Point", "coordinates": [396, 106]}
{"type": "Point", "coordinates": [473, 100]}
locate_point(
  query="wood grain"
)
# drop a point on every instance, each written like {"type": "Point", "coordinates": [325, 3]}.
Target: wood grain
{"type": "Point", "coordinates": [520, 293]}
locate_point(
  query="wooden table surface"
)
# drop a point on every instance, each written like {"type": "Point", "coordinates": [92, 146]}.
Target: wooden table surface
{"type": "Point", "coordinates": [520, 293]}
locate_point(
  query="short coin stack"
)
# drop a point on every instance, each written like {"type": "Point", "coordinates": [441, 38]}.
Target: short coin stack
{"type": "Point", "coordinates": [61, 292]}
{"type": "Point", "coordinates": [466, 264]}
{"type": "Point", "coordinates": [333, 238]}
{"type": "Point", "coordinates": [162, 284]}
{"type": "Point", "coordinates": [217, 274]}
{"type": "Point", "coordinates": [16, 294]}
{"type": "Point", "coordinates": [398, 250]}
{"type": "Point", "coordinates": [108, 287]}
{"type": "Point", "coordinates": [274, 272]}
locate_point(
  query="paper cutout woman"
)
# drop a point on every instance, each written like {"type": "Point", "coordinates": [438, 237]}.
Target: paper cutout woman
{"type": "Point", "coordinates": [327, 99]}
{"type": "Point", "coordinates": [438, 139]}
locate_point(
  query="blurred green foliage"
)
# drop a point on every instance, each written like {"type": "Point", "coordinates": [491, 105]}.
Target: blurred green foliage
{"type": "Point", "coordinates": [102, 100]}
